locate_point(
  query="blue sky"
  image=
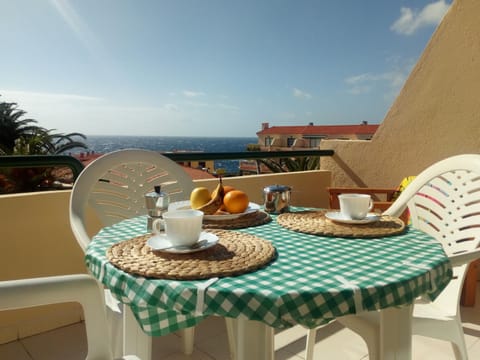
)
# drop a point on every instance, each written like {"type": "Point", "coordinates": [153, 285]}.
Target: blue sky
{"type": "Point", "coordinates": [211, 67]}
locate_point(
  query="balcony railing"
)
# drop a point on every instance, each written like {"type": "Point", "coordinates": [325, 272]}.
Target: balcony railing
{"type": "Point", "coordinates": [181, 156]}
{"type": "Point", "coordinates": [64, 161]}
{"type": "Point", "coordinates": [33, 161]}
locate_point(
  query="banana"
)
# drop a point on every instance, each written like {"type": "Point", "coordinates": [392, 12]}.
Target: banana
{"type": "Point", "coordinates": [216, 202]}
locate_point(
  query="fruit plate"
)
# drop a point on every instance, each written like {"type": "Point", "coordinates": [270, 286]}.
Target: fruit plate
{"type": "Point", "coordinates": [183, 205]}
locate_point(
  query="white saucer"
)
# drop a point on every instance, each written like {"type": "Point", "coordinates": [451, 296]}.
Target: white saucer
{"type": "Point", "coordinates": [160, 241]}
{"type": "Point", "coordinates": [182, 205]}
{"type": "Point", "coordinates": [339, 217]}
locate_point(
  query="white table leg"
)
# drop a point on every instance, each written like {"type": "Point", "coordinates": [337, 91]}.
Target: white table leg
{"type": "Point", "coordinates": [188, 338]}
{"type": "Point", "coordinates": [254, 340]}
{"type": "Point", "coordinates": [232, 336]}
{"type": "Point", "coordinates": [396, 333]}
{"type": "Point", "coordinates": [135, 341]}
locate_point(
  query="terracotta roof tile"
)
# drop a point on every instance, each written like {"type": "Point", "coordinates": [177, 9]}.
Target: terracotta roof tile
{"type": "Point", "coordinates": [319, 130]}
{"type": "Point", "coordinates": [195, 174]}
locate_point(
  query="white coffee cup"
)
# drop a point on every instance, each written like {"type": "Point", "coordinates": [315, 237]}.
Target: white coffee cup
{"type": "Point", "coordinates": [355, 206]}
{"type": "Point", "coordinates": [182, 227]}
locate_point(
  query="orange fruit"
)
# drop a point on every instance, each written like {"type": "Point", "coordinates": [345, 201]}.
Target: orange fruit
{"type": "Point", "coordinates": [227, 188]}
{"type": "Point", "coordinates": [235, 201]}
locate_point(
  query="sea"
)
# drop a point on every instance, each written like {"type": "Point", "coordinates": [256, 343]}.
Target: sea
{"type": "Point", "coordinates": [105, 144]}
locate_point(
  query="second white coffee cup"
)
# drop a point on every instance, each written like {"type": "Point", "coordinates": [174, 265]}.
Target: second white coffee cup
{"type": "Point", "coordinates": [182, 227]}
{"type": "Point", "coordinates": [355, 206]}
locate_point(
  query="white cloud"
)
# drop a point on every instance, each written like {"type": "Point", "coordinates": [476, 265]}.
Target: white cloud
{"type": "Point", "coordinates": [171, 107]}
{"type": "Point", "coordinates": [222, 106]}
{"type": "Point", "coordinates": [192, 94]}
{"type": "Point", "coordinates": [358, 79]}
{"type": "Point", "coordinates": [42, 97]}
{"type": "Point", "coordinates": [301, 94]}
{"type": "Point", "coordinates": [227, 107]}
{"type": "Point", "coordinates": [412, 20]}
{"type": "Point", "coordinates": [393, 79]}
{"type": "Point", "coordinates": [92, 115]}
{"type": "Point", "coordinates": [363, 83]}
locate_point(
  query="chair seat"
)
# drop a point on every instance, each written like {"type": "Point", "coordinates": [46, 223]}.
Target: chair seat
{"type": "Point", "coordinates": [81, 288]}
{"type": "Point", "coordinates": [431, 311]}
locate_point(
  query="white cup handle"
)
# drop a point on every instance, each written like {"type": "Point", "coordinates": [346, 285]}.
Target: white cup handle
{"type": "Point", "coordinates": [370, 205]}
{"type": "Point", "coordinates": [158, 226]}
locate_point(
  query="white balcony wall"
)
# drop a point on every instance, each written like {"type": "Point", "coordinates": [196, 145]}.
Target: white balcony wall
{"type": "Point", "coordinates": [308, 187]}
{"type": "Point", "coordinates": [36, 240]}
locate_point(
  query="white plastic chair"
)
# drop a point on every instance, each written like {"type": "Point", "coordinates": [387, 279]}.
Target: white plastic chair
{"type": "Point", "coordinates": [444, 201]}
{"type": "Point", "coordinates": [114, 186]}
{"type": "Point", "coordinates": [25, 293]}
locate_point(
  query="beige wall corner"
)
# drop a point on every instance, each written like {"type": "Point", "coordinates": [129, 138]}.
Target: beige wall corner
{"type": "Point", "coordinates": [36, 238]}
{"type": "Point", "coordinates": [436, 115]}
{"type": "Point", "coordinates": [36, 241]}
{"type": "Point", "coordinates": [308, 187]}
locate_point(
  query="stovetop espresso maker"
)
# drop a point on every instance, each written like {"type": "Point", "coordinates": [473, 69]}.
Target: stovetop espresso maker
{"type": "Point", "coordinates": [157, 204]}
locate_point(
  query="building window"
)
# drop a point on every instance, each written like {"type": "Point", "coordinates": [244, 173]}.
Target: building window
{"type": "Point", "coordinates": [290, 141]}
{"type": "Point", "coordinates": [268, 141]}
{"type": "Point", "coordinates": [314, 142]}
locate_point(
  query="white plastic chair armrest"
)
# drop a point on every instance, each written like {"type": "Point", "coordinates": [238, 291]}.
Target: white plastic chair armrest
{"type": "Point", "coordinates": [79, 230]}
{"type": "Point", "coordinates": [49, 290]}
{"type": "Point", "coordinates": [464, 258]}
{"type": "Point", "coordinates": [82, 288]}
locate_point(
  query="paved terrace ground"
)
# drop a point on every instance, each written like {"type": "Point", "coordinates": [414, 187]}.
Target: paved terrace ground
{"type": "Point", "coordinates": [333, 342]}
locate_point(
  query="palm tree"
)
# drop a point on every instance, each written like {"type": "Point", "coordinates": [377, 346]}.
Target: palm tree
{"type": "Point", "coordinates": [12, 127]}
{"type": "Point", "coordinates": [291, 164]}
{"type": "Point", "coordinates": [60, 143]}
{"type": "Point", "coordinates": [45, 142]}
{"type": "Point", "coordinates": [19, 137]}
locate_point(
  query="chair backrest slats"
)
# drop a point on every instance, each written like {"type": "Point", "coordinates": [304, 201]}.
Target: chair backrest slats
{"type": "Point", "coordinates": [115, 184]}
{"type": "Point", "coordinates": [444, 201]}
{"type": "Point", "coordinates": [448, 207]}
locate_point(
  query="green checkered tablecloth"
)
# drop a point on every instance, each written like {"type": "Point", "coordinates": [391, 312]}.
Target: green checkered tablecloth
{"type": "Point", "coordinates": [313, 280]}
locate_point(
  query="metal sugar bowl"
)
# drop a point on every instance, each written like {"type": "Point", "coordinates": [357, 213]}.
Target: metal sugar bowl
{"type": "Point", "coordinates": [277, 198]}
{"type": "Point", "coordinates": [157, 203]}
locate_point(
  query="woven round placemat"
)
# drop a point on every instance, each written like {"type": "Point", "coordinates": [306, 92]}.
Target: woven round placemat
{"type": "Point", "coordinates": [234, 254]}
{"type": "Point", "coordinates": [252, 219]}
{"type": "Point", "coordinates": [315, 222]}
